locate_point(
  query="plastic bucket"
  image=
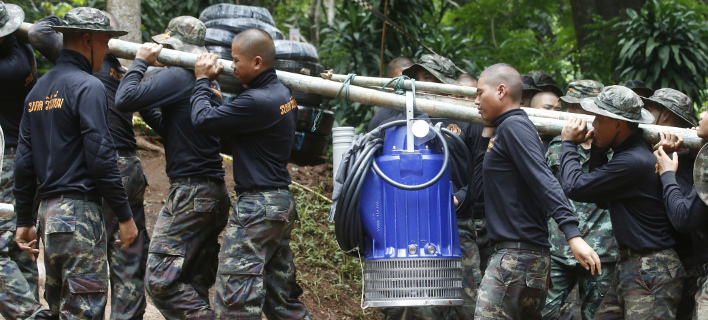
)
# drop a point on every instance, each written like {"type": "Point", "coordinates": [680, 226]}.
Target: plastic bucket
{"type": "Point", "coordinates": [342, 138]}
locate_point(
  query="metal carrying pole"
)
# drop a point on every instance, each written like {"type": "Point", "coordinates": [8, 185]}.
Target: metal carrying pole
{"type": "Point", "coordinates": [546, 122]}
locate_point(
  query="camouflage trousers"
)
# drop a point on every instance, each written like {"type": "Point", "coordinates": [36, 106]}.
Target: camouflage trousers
{"type": "Point", "coordinates": [701, 309]}
{"type": "Point", "coordinates": [591, 288]}
{"type": "Point", "coordinates": [183, 253]}
{"type": "Point", "coordinates": [644, 287]}
{"type": "Point", "coordinates": [686, 307]}
{"type": "Point", "coordinates": [18, 273]}
{"type": "Point", "coordinates": [514, 285]}
{"type": "Point", "coordinates": [256, 271]}
{"type": "Point", "coordinates": [471, 274]}
{"type": "Point", "coordinates": [75, 260]}
{"type": "Point", "coordinates": [127, 267]}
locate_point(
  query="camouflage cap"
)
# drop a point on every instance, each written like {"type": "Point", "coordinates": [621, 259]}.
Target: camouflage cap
{"type": "Point", "coordinates": [639, 87]}
{"type": "Point", "coordinates": [578, 90]}
{"type": "Point", "coordinates": [88, 20]}
{"type": "Point", "coordinates": [674, 100]}
{"type": "Point", "coordinates": [440, 67]}
{"type": "Point", "coordinates": [11, 17]}
{"type": "Point", "coordinates": [545, 82]}
{"type": "Point", "coordinates": [618, 102]}
{"type": "Point", "coordinates": [529, 84]}
{"type": "Point", "coordinates": [185, 34]}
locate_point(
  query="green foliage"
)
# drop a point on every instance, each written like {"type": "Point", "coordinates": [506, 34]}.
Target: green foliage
{"type": "Point", "coordinates": [323, 269]}
{"type": "Point", "coordinates": [663, 45]}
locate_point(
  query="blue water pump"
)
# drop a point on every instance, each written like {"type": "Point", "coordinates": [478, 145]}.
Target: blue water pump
{"type": "Point", "coordinates": [409, 232]}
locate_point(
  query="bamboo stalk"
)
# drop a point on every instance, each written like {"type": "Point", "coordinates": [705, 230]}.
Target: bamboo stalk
{"type": "Point", "coordinates": [547, 122]}
{"type": "Point", "coordinates": [423, 86]}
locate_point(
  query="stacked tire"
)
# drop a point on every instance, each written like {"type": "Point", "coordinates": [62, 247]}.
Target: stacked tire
{"type": "Point", "coordinates": [224, 21]}
{"type": "Point", "coordinates": [314, 124]}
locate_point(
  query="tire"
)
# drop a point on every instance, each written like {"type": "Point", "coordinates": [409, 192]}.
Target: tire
{"type": "Point", "coordinates": [306, 117]}
{"type": "Point", "coordinates": [237, 25]}
{"type": "Point", "coordinates": [299, 67]}
{"type": "Point", "coordinates": [218, 37]}
{"type": "Point", "coordinates": [229, 84]}
{"type": "Point", "coordinates": [310, 144]}
{"type": "Point", "coordinates": [226, 10]}
{"type": "Point", "coordinates": [293, 50]}
{"type": "Point", "coordinates": [305, 98]}
{"type": "Point", "coordinates": [222, 52]}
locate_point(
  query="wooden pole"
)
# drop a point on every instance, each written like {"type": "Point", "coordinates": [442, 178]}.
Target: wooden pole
{"type": "Point", "coordinates": [547, 122]}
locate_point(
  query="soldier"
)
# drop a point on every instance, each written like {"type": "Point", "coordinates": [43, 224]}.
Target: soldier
{"type": "Point", "coordinates": [529, 91]}
{"type": "Point", "coordinates": [595, 227]}
{"type": "Point", "coordinates": [545, 82]}
{"type": "Point", "coordinates": [395, 69]}
{"type": "Point", "coordinates": [688, 213]}
{"type": "Point", "coordinates": [397, 65]}
{"type": "Point", "coordinates": [435, 68]}
{"type": "Point", "coordinates": [256, 271]}
{"type": "Point", "coordinates": [65, 144]}
{"type": "Point", "coordinates": [639, 88]}
{"type": "Point", "coordinates": [649, 275]}
{"type": "Point", "coordinates": [19, 295]}
{"type": "Point", "coordinates": [673, 108]}
{"type": "Point", "coordinates": [183, 253]}
{"type": "Point", "coordinates": [546, 101]}
{"type": "Point", "coordinates": [511, 164]}
{"type": "Point", "coordinates": [127, 267]}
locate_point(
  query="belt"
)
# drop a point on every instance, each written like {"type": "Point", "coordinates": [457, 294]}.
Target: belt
{"type": "Point", "coordinates": [10, 151]}
{"type": "Point", "coordinates": [625, 253]}
{"type": "Point", "coordinates": [126, 153]}
{"type": "Point", "coordinates": [90, 197]}
{"type": "Point", "coordinates": [703, 270]}
{"type": "Point", "coordinates": [196, 179]}
{"type": "Point", "coordinates": [520, 246]}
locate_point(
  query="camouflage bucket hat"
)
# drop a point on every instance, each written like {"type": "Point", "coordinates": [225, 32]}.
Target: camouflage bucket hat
{"type": "Point", "coordinates": [11, 17]}
{"type": "Point", "coordinates": [578, 90]}
{"type": "Point", "coordinates": [185, 34]}
{"type": "Point", "coordinates": [639, 87]}
{"type": "Point", "coordinates": [545, 82]}
{"type": "Point", "coordinates": [440, 67]}
{"type": "Point", "coordinates": [88, 20]}
{"type": "Point", "coordinates": [529, 84]}
{"type": "Point", "coordinates": [618, 102]}
{"type": "Point", "coordinates": [674, 100]}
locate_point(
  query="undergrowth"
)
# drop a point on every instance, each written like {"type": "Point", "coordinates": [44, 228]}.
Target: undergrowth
{"type": "Point", "coordinates": [323, 268]}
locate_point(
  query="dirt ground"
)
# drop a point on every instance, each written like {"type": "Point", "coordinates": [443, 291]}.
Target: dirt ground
{"type": "Point", "coordinates": [322, 304]}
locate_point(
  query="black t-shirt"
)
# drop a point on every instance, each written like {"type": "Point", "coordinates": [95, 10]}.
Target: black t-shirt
{"type": "Point", "coordinates": [187, 152]}
{"type": "Point", "coordinates": [261, 125]}
{"type": "Point", "coordinates": [518, 188]}
{"type": "Point", "coordinates": [629, 186]}
{"type": "Point", "coordinates": [120, 124]}
{"type": "Point", "coordinates": [18, 76]}
{"type": "Point", "coordinates": [64, 141]}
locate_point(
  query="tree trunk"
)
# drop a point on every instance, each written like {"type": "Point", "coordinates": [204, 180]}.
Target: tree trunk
{"type": "Point", "coordinates": [315, 13]}
{"type": "Point", "coordinates": [330, 12]}
{"type": "Point", "coordinates": [127, 12]}
{"type": "Point", "coordinates": [584, 10]}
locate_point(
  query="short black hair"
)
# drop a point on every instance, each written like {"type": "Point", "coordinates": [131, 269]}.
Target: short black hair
{"type": "Point", "coordinates": [466, 76]}
{"type": "Point", "coordinates": [502, 73]}
{"type": "Point", "coordinates": [399, 62]}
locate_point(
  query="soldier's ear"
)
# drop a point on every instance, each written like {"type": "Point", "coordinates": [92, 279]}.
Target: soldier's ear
{"type": "Point", "coordinates": [502, 91]}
